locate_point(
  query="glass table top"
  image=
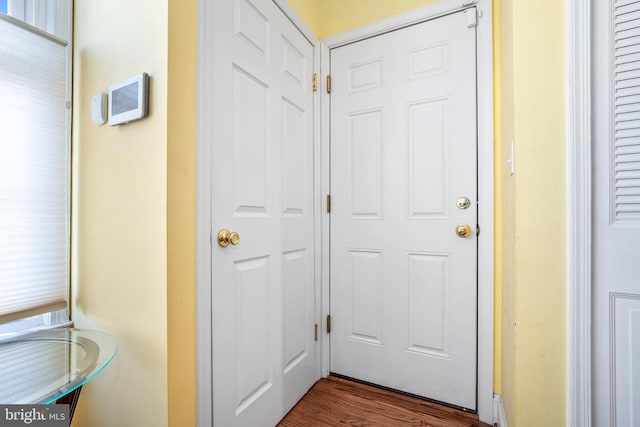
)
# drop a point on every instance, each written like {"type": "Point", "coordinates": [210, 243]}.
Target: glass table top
{"type": "Point", "coordinates": [43, 366]}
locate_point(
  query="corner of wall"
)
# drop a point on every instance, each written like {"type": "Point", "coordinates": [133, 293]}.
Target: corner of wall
{"type": "Point", "coordinates": [181, 202]}
{"type": "Point", "coordinates": [497, 161]}
{"type": "Point", "coordinates": [308, 11]}
{"type": "Point", "coordinates": [505, 205]}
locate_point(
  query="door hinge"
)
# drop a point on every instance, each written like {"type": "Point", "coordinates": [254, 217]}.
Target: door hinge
{"type": "Point", "coordinates": [315, 329]}
{"type": "Point", "coordinates": [328, 323]}
{"type": "Point", "coordinates": [328, 203]}
{"type": "Point", "coordinates": [314, 82]}
{"type": "Point", "coordinates": [477, 230]}
{"type": "Point", "coordinates": [328, 83]}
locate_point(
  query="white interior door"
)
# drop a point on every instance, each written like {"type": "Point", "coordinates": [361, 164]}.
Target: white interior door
{"type": "Point", "coordinates": [262, 184]}
{"type": "Point", "coordinates": [616, 214]}
{"type": "Point", "coordinates": [403, 151]}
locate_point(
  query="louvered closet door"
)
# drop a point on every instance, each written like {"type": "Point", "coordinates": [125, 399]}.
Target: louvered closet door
{"type": "Point", "coordinates": [616, 214]}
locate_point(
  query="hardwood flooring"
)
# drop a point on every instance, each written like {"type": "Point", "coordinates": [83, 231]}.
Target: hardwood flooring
{"type": "Point", "coordinates": [338, 402]}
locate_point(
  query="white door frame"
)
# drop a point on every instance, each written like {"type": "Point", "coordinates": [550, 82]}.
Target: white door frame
{"type": "Point", "coordinates": [204, 134]}
{"type": "Point", "coordinates": [485, 176]}
{"type": "Point", "coordinates": [579, 212]}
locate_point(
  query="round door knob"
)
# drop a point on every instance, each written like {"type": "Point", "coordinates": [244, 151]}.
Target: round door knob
{"type": "Point", "coordinates": [463, 230]}
{"type": "Point", "coordinates": [226, 237]}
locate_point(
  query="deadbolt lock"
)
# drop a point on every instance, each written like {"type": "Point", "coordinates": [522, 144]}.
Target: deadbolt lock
{"type": "Point", "coordinates": [463, 203]}
{"type": "Point", "coordinates": [463, 230]}
{"type": "Point", "coordinates": [226, 237]}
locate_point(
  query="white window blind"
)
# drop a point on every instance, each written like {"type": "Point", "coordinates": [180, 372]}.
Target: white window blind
{"type": "Point", "coordinates": [626, 158]}
{"type": "Point", "coordinates": [34, 172]}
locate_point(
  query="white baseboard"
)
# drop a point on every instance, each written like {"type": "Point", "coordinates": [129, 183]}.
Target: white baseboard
{"type": "Point", "coordinates": [499, 417]}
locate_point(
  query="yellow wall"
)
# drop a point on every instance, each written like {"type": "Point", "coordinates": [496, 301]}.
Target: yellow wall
{"type": "Point", "coordinates": [540, 211]}
{"type": "Point", "coordinates": [504, 207]}
{"type": "Point", "coordinates": [531, 265]}
{"type": "Point", "coordinates": [181, 202]}
{"type": "Point", "coordinates": [119, 281]}
{"type": "Point", "coordinates": [329, 17]}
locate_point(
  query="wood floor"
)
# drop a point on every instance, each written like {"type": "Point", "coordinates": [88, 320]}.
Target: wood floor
{"type": "Point", "coordinates": [337, 402]}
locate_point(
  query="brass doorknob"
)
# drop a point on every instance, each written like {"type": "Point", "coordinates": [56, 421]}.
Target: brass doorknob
{"type": "Point", "coordinates": [226, 237]}
{"type": "Point", "coordinates": [463, 230]}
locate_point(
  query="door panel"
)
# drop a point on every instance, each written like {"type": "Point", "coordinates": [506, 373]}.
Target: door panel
{"type": "Point", "coordinates": [616, 215]}
{"type": "Point", "coordinates": [365, 295]}
{"type": "Point", "coordinates": [427, 174]}
{"type": "Point", "coordinates": [250, 116]}
{"type": "Point", "coordinates": [262, 181]}
{"type": "Point", "coordinates": [403, 149]}
{"type": "Point", "coordinates": [429, 303]}
{"type": "Point", "coordinates": [253, 373]}
{"type": "Point", "coordinates": [365, 164]}
{"type": "Point", "coordinates": [626, 362]}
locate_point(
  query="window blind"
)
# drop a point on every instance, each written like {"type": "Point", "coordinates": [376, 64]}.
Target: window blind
{"type": "Point", "coordinates": [626, 158]}
{"type": "Point", "coordinates": [34, 172]}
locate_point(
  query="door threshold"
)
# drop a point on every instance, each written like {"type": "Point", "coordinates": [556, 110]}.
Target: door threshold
{"type": "Point", "coordinates": [404, 393]}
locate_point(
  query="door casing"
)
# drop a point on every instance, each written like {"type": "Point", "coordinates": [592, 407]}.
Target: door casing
{"type": "Point", "coordinates": [204, 133]}
{"type": "Point", "coordinates": [579, 190]}
{"type": "Point", "coordinates": [485, 176]}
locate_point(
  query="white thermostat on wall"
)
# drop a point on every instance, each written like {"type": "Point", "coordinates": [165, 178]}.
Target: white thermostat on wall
{"type": "Point", "coordinates": [129, 100]}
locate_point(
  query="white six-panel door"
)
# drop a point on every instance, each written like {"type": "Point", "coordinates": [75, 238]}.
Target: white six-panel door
{"type": "Point", "coordinates": [616, 214]}
{"type": "Point", "coordinates": [403, 151]}
{"type": "Point", "coordinates": [262, 188]}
